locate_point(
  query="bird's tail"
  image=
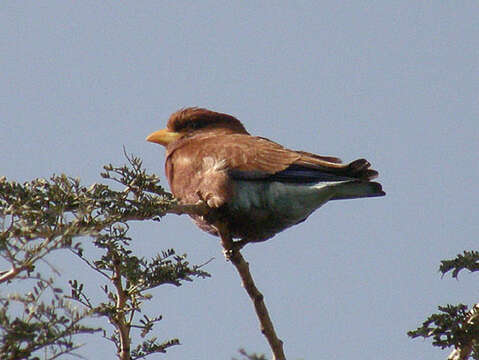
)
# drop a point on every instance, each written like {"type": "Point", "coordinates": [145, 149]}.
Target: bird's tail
{"type": "Point", "coordinates": [357, 189]}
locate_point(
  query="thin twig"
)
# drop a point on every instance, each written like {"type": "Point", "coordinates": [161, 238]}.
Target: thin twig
{"type": "Point", "coordinates": [13, 272]}
{"type": "Point", "coordinates": [86, 261]}
{"type": "Point", "coordinates": [233, 254]}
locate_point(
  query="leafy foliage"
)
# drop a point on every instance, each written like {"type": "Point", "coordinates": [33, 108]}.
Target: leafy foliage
{"type": "Point", "coordinates": [447, 328]}
{"type": "Point", "coordinates": [455, 325]}
{"type": "Point", "coordinates": [469, 260]}
{"type": "Point", "coordinates": [47, 326]}
{"type": "Point", "coordinates": [43, 216]}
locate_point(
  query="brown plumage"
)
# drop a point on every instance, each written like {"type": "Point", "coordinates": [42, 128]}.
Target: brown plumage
{"type": "Point", "coordinates": [256, 186]}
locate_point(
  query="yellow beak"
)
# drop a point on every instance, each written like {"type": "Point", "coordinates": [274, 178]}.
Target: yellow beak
{"type": "Point", "coordinates": [163, 137]}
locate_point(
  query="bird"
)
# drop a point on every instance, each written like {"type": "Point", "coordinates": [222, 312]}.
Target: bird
{"type": "Point", "coordinates": [254, 186]}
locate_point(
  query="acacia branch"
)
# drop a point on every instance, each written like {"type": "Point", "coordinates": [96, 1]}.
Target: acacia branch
{"type": "Point", "coordinates": [200, 208]}
{"type": "Point", "coordinates": [233, 254]}
{"type": "Point", "coordinates": [119, 319]}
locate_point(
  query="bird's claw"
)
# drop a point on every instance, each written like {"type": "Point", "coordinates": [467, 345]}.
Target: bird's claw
{"type": "Point", "coordinates": [237, 246]}
{"type": "Point", "coordinates": [228, 253]}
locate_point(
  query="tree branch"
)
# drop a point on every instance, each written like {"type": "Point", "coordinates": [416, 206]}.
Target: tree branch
{"type": "Point", "coordinates": [119, 319]}
{"type": "Point", "coordinates": [200, 208]}
{"type": "Point", "coordinates": [233, 254]}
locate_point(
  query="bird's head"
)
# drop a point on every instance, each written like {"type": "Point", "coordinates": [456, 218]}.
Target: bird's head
{"type": "Point", "coordinates": [191, 121]}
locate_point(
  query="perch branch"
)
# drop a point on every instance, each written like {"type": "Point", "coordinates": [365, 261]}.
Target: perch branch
{"type": "Point", "coordinates": [233, 254]}
{"type": "Point", "coordinates": [200, 208]}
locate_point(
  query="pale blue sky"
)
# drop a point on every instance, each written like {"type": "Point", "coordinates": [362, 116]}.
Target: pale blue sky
{"type": "Point", "coordinates": [396, 82]}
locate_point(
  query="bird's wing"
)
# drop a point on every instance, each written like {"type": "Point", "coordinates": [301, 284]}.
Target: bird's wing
{"type": "Point", "coordinates": [205, 165]}
{"type": "Point", "coordinates": [259, 158]}
{"type": "Point", "coordinates": [330, 159]}
{"type": "Point", "coordinates": [202, 166]}
{"type": "Point", "coordinates": [256, 155]}
{"type": "Point", "coordinates": [358, 169]}
{"type": "Point", "coordinates": [301, 174]}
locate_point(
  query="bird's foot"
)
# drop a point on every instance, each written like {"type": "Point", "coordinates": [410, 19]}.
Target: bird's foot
{"type": "Point", "coordinates": [228, 253]}
{"type": "Point", "coordinates": [236, 247]}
